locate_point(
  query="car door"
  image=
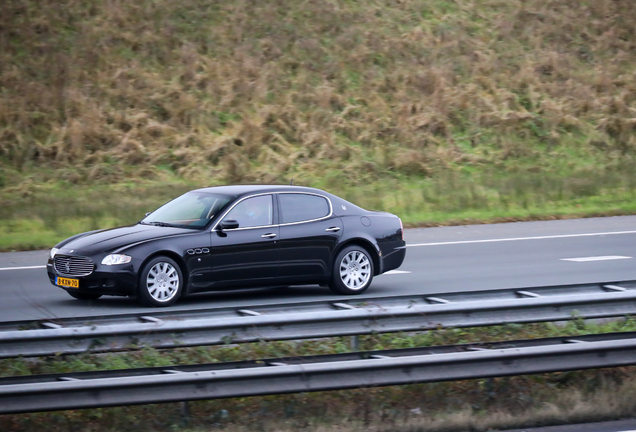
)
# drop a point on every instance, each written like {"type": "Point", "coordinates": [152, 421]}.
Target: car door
{"type": "Point", "coordinates": [309, 234]}
{"type": "Point", "coordinates": [247, 255]}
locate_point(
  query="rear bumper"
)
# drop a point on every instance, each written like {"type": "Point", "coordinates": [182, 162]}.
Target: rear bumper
{"type": "Point", "coordinates": [394, 259]}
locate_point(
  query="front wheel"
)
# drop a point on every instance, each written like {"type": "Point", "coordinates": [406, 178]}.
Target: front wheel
{"type": "Point", "coordinates": [352, 271]}
{"type": "Point", "coordinates": [83, 296]}
{"type": "Point", "coordinates": [160, 282]}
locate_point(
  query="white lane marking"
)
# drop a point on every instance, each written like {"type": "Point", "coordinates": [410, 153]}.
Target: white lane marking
{"type": "Point", "coordinates": [522, 238]}
{"type": "Point", "coordinates": [22, 268]}
{"type": "Point", "coordinates": [397, 272]}
{"type": "Point", "coordinates": [596, 258]}
{"type": "Point", "coordinates": [452, 243]}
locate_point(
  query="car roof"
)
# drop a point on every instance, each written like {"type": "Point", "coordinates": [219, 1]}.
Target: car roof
{"type": "Point", "coordinates": [238, 190]}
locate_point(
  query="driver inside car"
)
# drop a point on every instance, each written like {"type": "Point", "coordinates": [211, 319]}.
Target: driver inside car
{"type": "Point", "coordinates": [253, 212]}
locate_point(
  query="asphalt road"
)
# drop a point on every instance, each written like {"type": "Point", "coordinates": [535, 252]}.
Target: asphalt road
{"type": "Point", "coordinates": [438, 260]}
{"type": "Point", "coordinates": [628, 425]}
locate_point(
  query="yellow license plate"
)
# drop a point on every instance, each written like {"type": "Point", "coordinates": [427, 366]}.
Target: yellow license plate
{"type": "Point", "coordinates": [66, 282]}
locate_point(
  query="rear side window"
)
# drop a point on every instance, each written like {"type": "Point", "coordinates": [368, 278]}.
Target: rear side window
{"type": "Point", "coordinates": [302, 207]}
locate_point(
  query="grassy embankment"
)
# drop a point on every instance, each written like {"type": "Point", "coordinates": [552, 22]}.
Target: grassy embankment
{"type": "Point", "coordinates": [478, 405]}
{"type": "Point", "coordinates": [440, 111]}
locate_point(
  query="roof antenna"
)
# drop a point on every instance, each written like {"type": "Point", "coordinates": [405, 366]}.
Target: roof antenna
{"type": "Point", "coordinates": [291, 183]}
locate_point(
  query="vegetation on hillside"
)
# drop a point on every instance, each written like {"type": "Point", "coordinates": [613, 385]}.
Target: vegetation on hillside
{"type": "Point", "coordinates": [524, 106]}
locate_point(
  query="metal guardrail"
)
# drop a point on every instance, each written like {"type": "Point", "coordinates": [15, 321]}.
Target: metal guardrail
{"type": "Point", "coordinates": [316, 373]}
{"type": "Point", "coordinates": [351, 316]}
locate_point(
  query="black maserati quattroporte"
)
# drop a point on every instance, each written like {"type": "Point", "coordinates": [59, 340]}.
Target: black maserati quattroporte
{"type": "Point", "coordinates": [232, 237]}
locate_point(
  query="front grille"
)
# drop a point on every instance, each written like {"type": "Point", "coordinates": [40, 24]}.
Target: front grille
{"type": "Point", "coordinates": [73, 265]}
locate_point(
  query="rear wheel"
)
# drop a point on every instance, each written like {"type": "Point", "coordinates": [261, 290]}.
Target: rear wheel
{"type": "Point", "coordinates": [83, 296]}
{"type": "Point", "coordinates": [352, 271]}
{"type": "Point", "coordinates": [160, 282]}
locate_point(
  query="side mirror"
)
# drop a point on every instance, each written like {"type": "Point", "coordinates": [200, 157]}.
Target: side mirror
{"type": "Point", "coordinates": [146, 215]}
{"type": "Point", "coordinates": [228, 224]}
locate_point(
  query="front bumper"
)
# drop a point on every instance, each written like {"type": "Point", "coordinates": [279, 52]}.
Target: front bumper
{"type": "Point", "coordinates": [118, 280]}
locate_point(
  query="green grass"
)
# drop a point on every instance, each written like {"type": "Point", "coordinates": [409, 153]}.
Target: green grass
{"type": "Point", "coordinates": [40, 215]}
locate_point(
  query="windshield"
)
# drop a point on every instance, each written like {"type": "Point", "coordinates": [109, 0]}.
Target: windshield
{"type": "Point", "coordinates": [192, 210]}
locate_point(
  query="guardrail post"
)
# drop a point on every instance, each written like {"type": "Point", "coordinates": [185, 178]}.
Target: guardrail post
{"type": "Point", "coordinates": [355, 343]}
{"type": "Point", "coordinates": [185, 412]}
{"type": "Point", "coordinates": [489, 386]}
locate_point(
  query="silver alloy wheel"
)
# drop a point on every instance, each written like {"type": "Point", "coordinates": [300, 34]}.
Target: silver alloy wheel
{"type": "Point", "coordinates": [355, 270]}
{"type": "Point", "coordinates": [162, 282]}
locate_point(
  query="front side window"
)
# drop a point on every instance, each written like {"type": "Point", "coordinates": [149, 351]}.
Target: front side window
{"type": "Point", "coordinates": [253, 212]}
{"type": "Point", "coordinates": [302, 207]}
{"type": "Point", "coordinates": [191, 210]}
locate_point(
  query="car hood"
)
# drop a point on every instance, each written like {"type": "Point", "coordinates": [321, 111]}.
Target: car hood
{"type": "Point", "coordinates": [117, 238]}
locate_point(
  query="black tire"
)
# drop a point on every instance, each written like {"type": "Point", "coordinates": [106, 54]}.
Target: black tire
{"type": "Point", "coordinates": [83, 296]}
{"type": "Point", "coordinates": [160, 282]}
{"type": "Point", "coordinates": [352, 271]}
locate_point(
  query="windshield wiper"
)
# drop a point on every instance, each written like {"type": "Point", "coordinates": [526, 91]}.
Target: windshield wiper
{"type": "Point", "coordinates": [161, 224]}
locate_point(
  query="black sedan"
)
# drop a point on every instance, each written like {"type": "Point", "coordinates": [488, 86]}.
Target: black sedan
{"type": "Point", "coordinates": [232, 237]}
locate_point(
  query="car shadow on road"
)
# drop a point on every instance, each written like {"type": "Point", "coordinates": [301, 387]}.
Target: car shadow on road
{"type": "Point", "coordinates": [109, 305]}
{"type": "Point", "coordinates": [209, 299]}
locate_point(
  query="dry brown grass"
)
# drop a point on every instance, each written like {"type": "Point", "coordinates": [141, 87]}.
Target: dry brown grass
{"type": "Point", "coordinates": [261, 91]}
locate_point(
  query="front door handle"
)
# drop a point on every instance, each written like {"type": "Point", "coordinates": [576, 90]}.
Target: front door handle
{"type": "Point", "coordinates": [269, 236]}
{"type": "Point", "coordinates": [333, 229]}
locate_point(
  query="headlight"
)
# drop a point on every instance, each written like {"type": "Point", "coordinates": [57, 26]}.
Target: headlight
{"type": "Point", "coordinates": [114, 259]}
{"type": "Point", "coordinates": [53, 252]}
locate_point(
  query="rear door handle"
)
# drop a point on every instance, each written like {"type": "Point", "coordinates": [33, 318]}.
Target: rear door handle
{"type": "Point", "coordinates": [270, 235]}
{"type": "Point", "coordinates": [333, 229]}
